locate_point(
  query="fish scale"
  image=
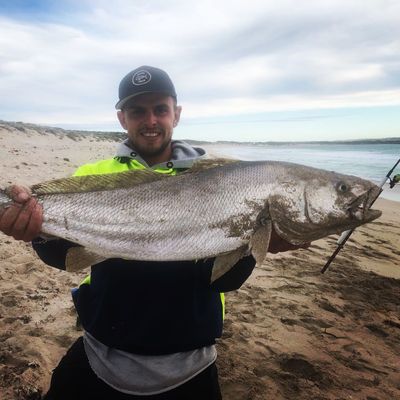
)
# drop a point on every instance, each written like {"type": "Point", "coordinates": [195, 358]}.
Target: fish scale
{"type": "Point", "coordinates": [160, 226]}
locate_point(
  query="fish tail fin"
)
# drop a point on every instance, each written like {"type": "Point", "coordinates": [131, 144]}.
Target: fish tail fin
{"type": "Point", "coordinates": [4, 198]}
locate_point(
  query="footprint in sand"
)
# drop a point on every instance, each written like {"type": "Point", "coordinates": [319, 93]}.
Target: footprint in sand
{"type": "Point", "coordinates": [301, 368]}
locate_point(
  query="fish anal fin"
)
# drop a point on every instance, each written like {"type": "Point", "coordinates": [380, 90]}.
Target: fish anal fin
{"type": "Point", "coordinates": [259, 242]}
{"type": "Point", "coordinates": [80, 258]}
{"type": "Point", "coordinates": [224, 262]}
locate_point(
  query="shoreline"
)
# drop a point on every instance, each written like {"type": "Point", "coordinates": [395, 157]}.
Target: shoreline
{"type": "Point", "coordinates": [105, 143]}
{"type": "Point", "coordinates": [116, 135]}
{"type": "Point", "coordinates": [392, 194]}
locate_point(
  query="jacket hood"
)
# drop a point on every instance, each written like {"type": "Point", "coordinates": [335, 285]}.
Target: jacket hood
{"type": "Point", "coordinates": [183, 155]}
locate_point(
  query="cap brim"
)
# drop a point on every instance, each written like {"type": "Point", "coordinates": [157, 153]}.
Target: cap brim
{"type": "Point", "coordinates": [122, 102]}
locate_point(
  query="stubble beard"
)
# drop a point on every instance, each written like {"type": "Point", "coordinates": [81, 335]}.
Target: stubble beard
{"type": "Point", "coordinates": [151, 151]}
{"type": "Point", "coordinates": [146, 150]}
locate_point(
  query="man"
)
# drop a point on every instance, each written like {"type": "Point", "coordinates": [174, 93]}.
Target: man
{"type": "Point", "coordinates": [150, 327]}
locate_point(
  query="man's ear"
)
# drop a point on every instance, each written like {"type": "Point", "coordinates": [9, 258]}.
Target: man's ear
{"type": "Point", "coordinates": [177, 116]}
{"type": "Point", "coordinates": [121, 119]}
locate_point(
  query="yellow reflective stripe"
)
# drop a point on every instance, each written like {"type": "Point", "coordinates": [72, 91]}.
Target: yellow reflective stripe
{"type": "Point", "coordinates": [170, 171]}
{"type": "Point", "coordinates": [223, 304]}
{"type": "Point", "coordinates": [86, 281]}
{"type": "Point", "coordinates": [103, 167]}
{"type": "Point", "coordinates": [112, 166]}
{"type": "Point", "coordinates": [134, 164]}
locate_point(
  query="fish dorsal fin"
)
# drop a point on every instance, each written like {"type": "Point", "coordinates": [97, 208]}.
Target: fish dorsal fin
{"type": "Point", "coordinates": [208, 163]}
{"type": "Point", "coordinates": [93, 183]}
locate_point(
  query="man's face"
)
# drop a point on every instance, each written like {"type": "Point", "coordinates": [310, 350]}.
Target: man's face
{"type": "Point", "coordinates": [150, 119]}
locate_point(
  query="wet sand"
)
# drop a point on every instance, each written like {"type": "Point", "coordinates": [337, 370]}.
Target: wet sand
{"type": "Point", "coordinates": [290, 332]}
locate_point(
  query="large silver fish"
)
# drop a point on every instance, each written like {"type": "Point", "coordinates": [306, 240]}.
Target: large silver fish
{"type": "Point", "coordinates": [217, 209]}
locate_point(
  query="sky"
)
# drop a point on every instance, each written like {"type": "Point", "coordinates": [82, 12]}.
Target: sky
{"type": "Point", "coordinates": [247, 70]}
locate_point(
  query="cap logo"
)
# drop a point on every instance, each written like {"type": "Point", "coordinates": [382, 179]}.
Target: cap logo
{"type": "Point", "coordinates": [141, 77]}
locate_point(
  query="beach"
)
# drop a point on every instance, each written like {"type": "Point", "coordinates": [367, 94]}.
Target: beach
{"type": "Point", "coordinates": [290, 331]}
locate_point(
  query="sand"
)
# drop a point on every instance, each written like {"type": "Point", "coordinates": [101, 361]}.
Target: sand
{"type": "Point", "coordinates": [290, 332]}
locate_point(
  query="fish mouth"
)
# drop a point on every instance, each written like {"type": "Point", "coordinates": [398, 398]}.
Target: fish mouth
{"type": "Point", "coordinates": [360, 207]}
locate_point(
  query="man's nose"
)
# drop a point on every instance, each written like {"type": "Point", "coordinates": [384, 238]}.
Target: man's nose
{"type": "Point", "coordinates": [150, 118]}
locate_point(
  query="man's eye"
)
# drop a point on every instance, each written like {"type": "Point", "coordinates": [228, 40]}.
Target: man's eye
{"type": "Point", "coordinates": [161, 110]}
{"type": "Point", "coordinates": [135, 112]}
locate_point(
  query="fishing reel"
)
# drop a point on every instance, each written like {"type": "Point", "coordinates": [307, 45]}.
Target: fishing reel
{"type": "Point", "coordinates": [394, 180]}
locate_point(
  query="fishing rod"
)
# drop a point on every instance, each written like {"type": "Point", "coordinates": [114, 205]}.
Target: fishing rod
{"type": "Point", "coordinates": [345, 235]}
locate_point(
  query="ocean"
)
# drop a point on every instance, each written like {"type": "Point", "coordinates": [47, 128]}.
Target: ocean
{"type": "Point", "coordinates": [368, 161]}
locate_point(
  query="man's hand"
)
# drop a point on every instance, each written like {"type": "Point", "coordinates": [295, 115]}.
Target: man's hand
{"type": "Point", "coordinates": [277, 244]}
{"type": "Point", "coordinates": [23, 219]}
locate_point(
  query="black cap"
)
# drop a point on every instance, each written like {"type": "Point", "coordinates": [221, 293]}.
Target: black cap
{"type": "Point", "coordinates": [144, 79]}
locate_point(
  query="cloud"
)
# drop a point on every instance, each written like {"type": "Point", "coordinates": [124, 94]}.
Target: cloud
{"type": "Point", "coordinates": [63, 63]}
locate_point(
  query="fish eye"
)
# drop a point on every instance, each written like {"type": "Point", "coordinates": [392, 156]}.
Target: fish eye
{"type": "Point", "coordinates": [342, 187]}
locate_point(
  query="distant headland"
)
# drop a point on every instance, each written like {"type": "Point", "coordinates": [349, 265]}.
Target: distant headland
{"type": "Point", "coordinates": [76, 135]}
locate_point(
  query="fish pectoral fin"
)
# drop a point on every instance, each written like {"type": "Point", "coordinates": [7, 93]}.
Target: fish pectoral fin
{"type": "Point", "coordinates": [223, 263]}
{"type": "Point", "coordinates": [259, 242]}
{"type": "Point", "coordinates": [79, 258]}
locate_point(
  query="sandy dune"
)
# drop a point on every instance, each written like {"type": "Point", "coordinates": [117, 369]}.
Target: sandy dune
{"type": "Point", "coordinates": [290, 332]}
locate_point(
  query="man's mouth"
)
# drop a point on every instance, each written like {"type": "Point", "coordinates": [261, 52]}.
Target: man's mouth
{"type": "Point", "coordinates": [150, 134]}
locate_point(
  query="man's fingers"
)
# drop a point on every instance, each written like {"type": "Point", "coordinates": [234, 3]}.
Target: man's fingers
{"type": "Point", "coordinates": [8, 217]}
{"type": "Point", "coordinates": [22, 221]}
{"type": "Point", "coordinates": [23, 218]}
{"type": "Point", "coordinates": [35, 224]}
{"type": "Point", "coordinates": [20, 194]}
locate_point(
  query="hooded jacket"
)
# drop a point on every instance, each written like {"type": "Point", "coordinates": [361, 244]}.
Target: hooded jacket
{"type": "Point", "coordinates": [149, 308]}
